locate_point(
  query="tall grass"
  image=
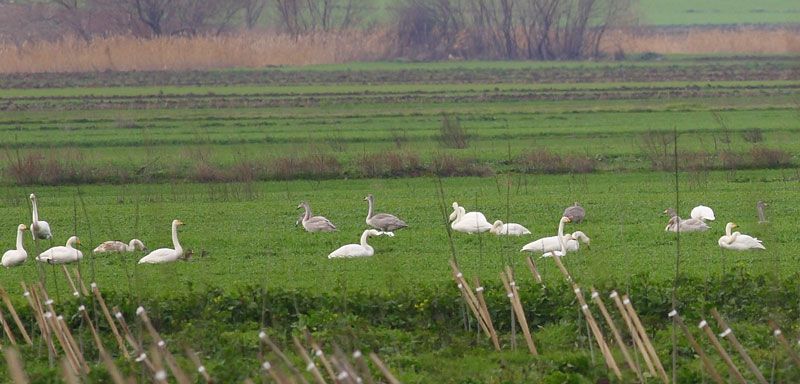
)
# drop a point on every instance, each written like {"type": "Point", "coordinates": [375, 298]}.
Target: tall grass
{"type": "Point", "coordinates": [258, 50]}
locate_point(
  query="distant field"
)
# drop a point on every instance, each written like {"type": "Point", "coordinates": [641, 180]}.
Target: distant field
{"type": "Point", "coordinates": [712, 12]}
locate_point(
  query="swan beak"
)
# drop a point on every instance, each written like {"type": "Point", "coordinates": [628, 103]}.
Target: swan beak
{"type": "Point", "coordinates": [180, 222]}
{"type": "Point", "coordinates": [78, 242]}
{"type": "Point", "coordinates": [300, 206]}
{"type": "Point", "coordinates": [24, 228]}
{"type": "Point", "coordinates": [735, 225]}
{"type": "Point", "coordinates": [567, 219]}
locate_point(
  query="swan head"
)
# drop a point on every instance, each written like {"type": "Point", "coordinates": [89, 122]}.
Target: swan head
{"type": "Point", "coordinates": [732, 225]}
{"type": "Point", "coordinates": [302, 205]}
{"type": "Point", "coordinates": [761, 203]}
{"type": "Point", "coordinates": [670, 212]}
{"type": "Point", "coordinates": [455, 205]}
{"type": "Point", "coordinates": [137, 245]}
{"type": "Point", "coordinates": [33, 197]}
{"type": "Point", "coordinates": [177, 222]}
{"type": "Point", "coordinates": [369, 198]}
{"type": "Point", "coordinates": [497, 223]}
{"type": "Point", "coordinates": [565, 219]}
{"type": "Point", "coordinates": [74, 241]}
{"type": "Point", "coordinates": [22, 227]}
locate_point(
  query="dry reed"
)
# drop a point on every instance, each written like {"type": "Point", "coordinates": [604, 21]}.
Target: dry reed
{"type": "Point", "coordinates": [704, 40]}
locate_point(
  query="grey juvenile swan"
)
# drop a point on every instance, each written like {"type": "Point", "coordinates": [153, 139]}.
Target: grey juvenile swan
{"type": "Point", "coordinates": [382, 221]}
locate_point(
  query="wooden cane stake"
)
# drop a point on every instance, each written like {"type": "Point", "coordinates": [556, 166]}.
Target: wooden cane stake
{"type": "Point", "coordinates": [110, 320]}
{"type": "Point", "coordinates": [722, 352]}
{"type": "Point", "coordinates": [709, 366]}
{"type": "Point", "coordinates": [728, 334]}
{"type": "Point", "coordinates": [633, 332]}
{"type": "Point", "coordinates": [14, 316]}
{"type": "Point", "coordinates": [15, 369]}
{"type": "Point", "coordinates": [534, 271]}
{"type": "Point", "coordinates": [776, 331]}
{"type": "Point", "coordinates": [383, 368]}
{"type": "Point", "coordinates": [276, 350]}
{"type": "Point", "coordinates": [484, 310]}
{"type": "Point", "coordinates": [598, 334]}
{"type": "Point", "coordinates": [201, 369]}
{"type": "Point", "coordinates": [513, 296]}
{"type": "Point", "coordinates": [617, 336]}
{"type": "Point", "coordinates": [176, 370]}
{"type": "Point", "coordinates": [310, 366]}
{"type": "Point", "coordinates": [7, 330]}
{"type": "Point", "coordinates": [626, 301]}
{"type": "Point", "coordinates": [98, 342]}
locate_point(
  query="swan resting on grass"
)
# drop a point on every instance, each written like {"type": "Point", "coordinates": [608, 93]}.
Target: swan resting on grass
{"type": "Point", "coordinates": [468, 222]}
{"type": "Point", "coordinates": [549, 244]}
{"type": "Point", "coordinates": [359, 250]}
{"type": "Point", "coordinates": [703, 213]}
{"type": "Point", "coordinates": [510, 229]}
{"type": "Point", "coordinates": [677, 224]}
{"type": "Point", "coordinates": [382, 221]}
{"type": "Point", "coordinates": [19, 255]}
{"type": "Point", "coordinates": [62, 254]}
{"type": "Point", "coordinates": [315, 223]}
{"type": "Point", "coordinates": [40, 229]}
{"type": "Point", "coordinates": [166, 255]}
{"type": "Point", "coordinates": [118, 246]}
{"type": "Point", "coordinates": [738, 241]}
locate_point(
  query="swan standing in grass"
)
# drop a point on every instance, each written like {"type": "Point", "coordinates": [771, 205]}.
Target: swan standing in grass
{"type": "Point", "coordinates": [118, 246]}
{"type": "Point", "coordinates": [62, 254]}
{"type": "Point", "coordinates": [576, 213]}
{"type": "Point", "coordinates": [382, 221]}
{"type": "Point", "coordinates": [562, 251]}
{"type": "Point", "coordinates": [16, 256]}
{"type": "Point", "coordinates": [166, 255]}
{"type": "Point", "coordinates": [511, 229]}
{"type": "Point", "coordinates": [703, 213]}
{"type": "Point", "coordinates": [737, 241]}
{"type": "Point", "coordinates": [676, 224]}
{"type": "Point", "coordinates": [315, 223]}
{"type": "Point", "coordinates": [358, 250]}
{"type": "Point", "coordinates": [40, 229]}
{"type": "Point", "coordinates": [468, 222]}
{"type": "Point", "coordinates": [549, 244]}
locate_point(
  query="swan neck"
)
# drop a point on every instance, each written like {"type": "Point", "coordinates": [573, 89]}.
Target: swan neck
{"type": "Point", "coordinates": [35, 211]}
{"type": "Point", "coordinates": [175, 243]}
{"type": "Point", "coordinates": [132, 246]}
{"type": "Point", "coordinates": [307, 214]}
{"type": "Point", "coordinates": [20, 244]}
{"type": "Point", "coordinates": [364, 237]}
{"type": "Point", "coordinates": [561, 236]}
{"type": "Point", "coordinates": [728, 230]}
{"type": "Point", "coordinates": [369, 211]}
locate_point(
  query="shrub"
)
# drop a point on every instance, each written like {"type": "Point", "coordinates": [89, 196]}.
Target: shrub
{"type": "Point", "coordinates": [763, 157]}
{"type": "Point", "coordinates": [540, 161]}
{"type": "Point", "coordinates": [656, 146]}
{"type": "Point", "coordinates": [451, 134]}
{"type": "Point", "coordinates": [316, 166]}
{"type": "Point", "coordinates": [731, 160]}
{"type": "Point", "coordinates": [389, 164]}
{"type": "Point", "coordinates": [753, 135]}
{"type": "Point", "coordinates": [449, 165]}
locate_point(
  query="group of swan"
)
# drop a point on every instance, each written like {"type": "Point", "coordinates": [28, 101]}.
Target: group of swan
{"type": "Point", "coordinates": [381, 223]}
{"type": "Point", "coordinates": [697, 223]}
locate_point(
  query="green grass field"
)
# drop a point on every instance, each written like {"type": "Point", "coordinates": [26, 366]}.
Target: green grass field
{"type": "Point", "coordinates": [258, 269]}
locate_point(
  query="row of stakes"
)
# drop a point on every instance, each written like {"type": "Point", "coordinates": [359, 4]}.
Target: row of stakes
{"type": "Point", "coordinates": [640, 339]}
{"type": "Point", "coordinates": [57, 336]}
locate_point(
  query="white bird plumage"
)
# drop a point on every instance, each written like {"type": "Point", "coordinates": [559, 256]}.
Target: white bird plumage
{"type": "Point", "coordinates": [511, 229]}
{"type": "Point", "coordinates": [166, 255]}
{"type": "Point", "coordinates": [118, 246]}
{"type": "Point", "coordinates": [62, 254]}
{"type": "Point", "coordinates": [562, 251]}
{"type": "Point", "coordinates": [549, 244]}
{"type": "Point", "coordinates": [468, 222]}
{"type": "Point", "coordinates": [703, 213]}
{"type": "Point", "coordinates": [358, 250]}
{"type": "Point", "coordinates": [40, 229]}
{"type": "Point", "coordinates": [19, 255]}
{"type": "Point", "coordinates": [738, 241]}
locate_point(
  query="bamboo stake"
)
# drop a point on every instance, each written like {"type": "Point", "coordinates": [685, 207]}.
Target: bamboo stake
{"type": "Point", "coordinates": [7, 330]}
{"type": "Point", "coordinates": [15, 369]}
{"type": "Point", "coordinates": [516, 304]}
{"type": "Point", "coordinates": [14, 315]}
{"type": "Point", "coordinates": [321, 355]}
{"type": "Point", "coordinates": [263, 337]}
{"type": "Point", "coordinates": [37, 314]}
{"type": "Point", "coordinates": [176, 370]}
{"type": "Point", "coordinates": [72, 343]}
{"type": "Point", "coordinates": [363, 367]}
{"type": "Point", "coordinates": [110, 320]}
{"type": "Point", "coordinates": [71, 282]}
{"type": "Point", "coordinates": [201, 369]}
{"type": "Point", "coordinates": [69, 376]}
{"type": "Point", "coordinates": [383, 368]}
{"type": "Point", "coordinates": [721, 351]}
{"type": "Point", "coordinates": [534, 271]}
{"type": "Point", "coordinates": [346, 374]}
{"type": "Point", "coordinates": [84, 291]}
{"type": "Point", "coordinates": [598, 334]}
{"type": "Point", "coordinates": [98, 342]}
{"type": "Point", "coordinates": [53, 326]}
{"type": "Point", "coordinates": [728, 334]}
{"type": "Point", "coordinates": [617, 336]}
{"type": "Point", "coordinates": [113, 371]}
{"type": "Point", "coordinates": [310, 366]}
{"type": "Point", "coordinates": [626, 301]}
{"type": "Point", "coordinates": [484, 309]}
{"type": "Point", "coordinates": [633, 332]}
{"type": "Point", "coordinates": [709, 366]}
{"type": "Point", "coordinates": [267, 367]}
{"type": "Point", "coordinates": [563, 269]}
{"type": "Point", "coordinates": [471, 300]}
{"type": "Point", "coordinates": [776, 331]}
{"type": "Point", "coordinates": [142, 355]}
{"type": "Point", "coordinates": [159, 373]}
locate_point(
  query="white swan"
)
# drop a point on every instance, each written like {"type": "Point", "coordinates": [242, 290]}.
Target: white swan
{"type": "Point", "coordinates": [468, 222]}
{"type": "Point", "coordinates": [549, 244]}
{"type": "Point", "coordinates": [40, 229]}
{"type": "Point", "coordinates": [703, 213]}
{"type": "Point", "coordinates": [737, 241]}
{"type": "Point", "coordinates": [118, 246]}
{"type": "Point", "coordinates": [358, 250]}
{"type": "Point", "coordinates": [512, 229]}
{"type": "Point", "coordinates": [16, 256]}
{"type": "Point", "coordinates": [562, 251]}
{"type": "Point", "coordinates": [62, 254]}
{"type": "Point", "coordinates": [166, 255]}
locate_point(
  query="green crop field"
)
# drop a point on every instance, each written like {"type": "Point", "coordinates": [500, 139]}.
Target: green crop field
{"type": "Point", "coordinates": [119, 156]}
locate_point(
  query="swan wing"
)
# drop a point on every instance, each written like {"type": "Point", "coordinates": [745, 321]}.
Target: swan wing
{"type": "Point", "coordinates": [60, 255]}
{"type": "Point", "coordinates": [543, 245]}
{"type": "Point", "coordinates": [703, 213]}
{"type": "Point", "coordinates": [161, 255]}
{"type": "Point", "coordinates": [349, 250]}
{"type": "Point", "coordinates": [14, 257]}
{"type": "Point", "coordinates": [386, 222]}
{"type": "Point", "coordinates": [318, 224]}
{"type": "Point", "coordinates": [743, 242]}
{"type": "Point", "coordinates": [111, 246]}
{"type": "Point", "coordinates": [41, 230]}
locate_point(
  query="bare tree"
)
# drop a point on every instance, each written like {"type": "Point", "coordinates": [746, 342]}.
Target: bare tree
{"type": "Point", "coordinates": [302, 16]}
{"type": "Point", "coordinates": [252, 11]}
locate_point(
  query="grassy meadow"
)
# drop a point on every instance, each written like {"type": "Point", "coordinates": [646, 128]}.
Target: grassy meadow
{"type": "Point", "coordinates": [133, 149]}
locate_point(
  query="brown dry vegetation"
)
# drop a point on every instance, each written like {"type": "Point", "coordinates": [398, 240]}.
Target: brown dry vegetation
{"type": "Point", "coordinates": [258, 50]}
